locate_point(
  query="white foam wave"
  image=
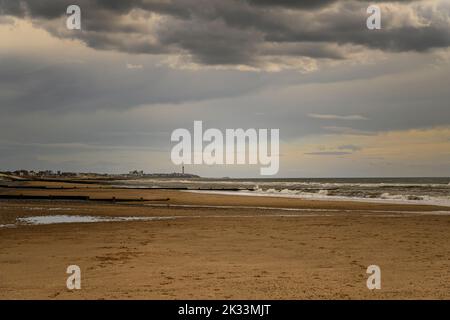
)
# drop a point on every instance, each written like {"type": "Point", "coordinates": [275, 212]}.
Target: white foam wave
{"type": "Point", "coordinates": [324, 195]}
{"type": "Point", "coordinates": [257, 184]}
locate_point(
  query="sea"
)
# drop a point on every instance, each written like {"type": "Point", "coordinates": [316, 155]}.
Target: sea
{"type": "Point", "coordinates": [423, 190]}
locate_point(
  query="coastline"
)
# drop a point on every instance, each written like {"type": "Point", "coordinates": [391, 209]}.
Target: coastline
{"type": "Point", "coordinates": [443, 203]}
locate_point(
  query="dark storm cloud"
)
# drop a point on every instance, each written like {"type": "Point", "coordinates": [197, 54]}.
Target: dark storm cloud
{"type": "Point", "coordinates": [108, 83]}
{"type": "Point", "coordinates": [236, 32]}
{"type": "Point", "coordinates": [305, 4]}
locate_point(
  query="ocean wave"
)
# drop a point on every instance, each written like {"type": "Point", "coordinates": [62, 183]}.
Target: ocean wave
{"type": "Point", "coordinates": [410, 190]}
{"type": "Point", "coordinates": [280, 183]}
{"type": "Point", "coordinates": [324, 195]}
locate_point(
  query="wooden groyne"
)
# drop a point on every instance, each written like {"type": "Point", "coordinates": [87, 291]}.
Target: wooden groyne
{"type": "Point", "coordinates": [75, 198]}
{"type": "Point", "coordinates": [122, 188]}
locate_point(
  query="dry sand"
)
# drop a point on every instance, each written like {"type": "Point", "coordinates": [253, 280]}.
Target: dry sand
{"type": "Point", "coordinates": [223, 253]}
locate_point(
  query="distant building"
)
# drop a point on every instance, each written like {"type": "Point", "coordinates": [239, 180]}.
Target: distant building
{"type": "Point", "coordinates": [21, 173]}
{"type": "Point", "coordinates": [45, 173]}
{"type": "Point", "coordinates": [68, 174]}
{"type": "Point", "coordinates": [136, 173]}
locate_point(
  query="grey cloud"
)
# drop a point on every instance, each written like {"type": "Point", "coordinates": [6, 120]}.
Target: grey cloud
{"type": "Point", "coordinates": [348, 131]}
{"type": "Point", "coordinates": [328, 153]}
{"type": "Point", "coordinates": [240, 32]}
{"type": "Point", "coordinates": [107, 83]}
{"type": "Point", "coordinates": [6, 20]}
{"type": "Point", "coordinates": [336, 117]}
{"type": "Point", "coordinates": [350, 147]}
{"type": "Point", "coordinates": [304, 4]}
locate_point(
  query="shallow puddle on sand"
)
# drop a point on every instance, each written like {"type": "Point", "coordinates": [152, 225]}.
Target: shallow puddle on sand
{"type": "Point", "coordinates": [53, 219]}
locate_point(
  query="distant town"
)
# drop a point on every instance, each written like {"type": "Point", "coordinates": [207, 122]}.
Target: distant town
{"type": "Point", "coordinates": [50, 174]}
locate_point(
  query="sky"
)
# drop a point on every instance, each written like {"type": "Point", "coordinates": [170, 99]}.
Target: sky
{"type": "Point", "coordinates": [348, 101]}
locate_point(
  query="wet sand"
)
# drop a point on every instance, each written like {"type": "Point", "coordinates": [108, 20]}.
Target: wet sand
{"type": "Point", "coordinates": [320, 251]}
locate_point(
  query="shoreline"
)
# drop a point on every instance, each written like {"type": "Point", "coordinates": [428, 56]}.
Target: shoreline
{"type": "Point", "coordinates": [443, 203]}
{"type": "Point", "coordinates": [412, 190]}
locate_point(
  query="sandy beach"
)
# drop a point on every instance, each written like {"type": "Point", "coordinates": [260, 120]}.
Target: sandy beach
{"type": "Point", "coordinates": [204, 246]}
{"type": "Point", "coordinates": [226, 150]}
